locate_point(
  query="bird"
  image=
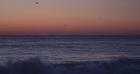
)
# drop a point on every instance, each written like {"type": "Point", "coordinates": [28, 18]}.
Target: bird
{"type": "Point", "coordinates": [65, 25]}
{"type": "Point", "coordinates": [36, 2]}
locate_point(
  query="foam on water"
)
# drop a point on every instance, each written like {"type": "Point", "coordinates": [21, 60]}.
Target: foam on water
{"type": "Point", "coordinates": [69, 48]}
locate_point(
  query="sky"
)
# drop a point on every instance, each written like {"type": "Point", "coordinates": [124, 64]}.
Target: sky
{"type": "Point", "coordinates": [70, 17]}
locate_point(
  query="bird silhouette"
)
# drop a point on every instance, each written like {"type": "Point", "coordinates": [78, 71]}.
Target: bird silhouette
{"type": "Point", "coordinates": [36, 2]}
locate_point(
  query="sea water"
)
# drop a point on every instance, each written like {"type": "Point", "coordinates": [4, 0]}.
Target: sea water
{"type": "Point", "coordinates": [68, 48]}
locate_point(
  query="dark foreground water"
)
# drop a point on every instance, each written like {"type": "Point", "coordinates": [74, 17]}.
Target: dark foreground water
{"type": "Point", "coordinates": [35, 66]}
{"type": "Point", "coordinates": [59, 49]}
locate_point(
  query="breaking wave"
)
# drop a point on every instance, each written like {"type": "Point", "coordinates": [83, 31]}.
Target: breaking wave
{"type": "Point", "coordinates": [36, 66]}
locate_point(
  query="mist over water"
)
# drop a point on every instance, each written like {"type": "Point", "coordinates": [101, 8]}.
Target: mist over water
{"type": "Point", "coordinates": [60, 49]}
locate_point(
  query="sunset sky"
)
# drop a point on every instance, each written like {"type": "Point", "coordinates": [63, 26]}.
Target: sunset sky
{"type": "Point", "coordinates": [70, 17]}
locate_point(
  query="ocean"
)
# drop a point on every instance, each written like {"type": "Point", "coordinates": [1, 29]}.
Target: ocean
{"type": "Point", "coordinates": [71, 48]}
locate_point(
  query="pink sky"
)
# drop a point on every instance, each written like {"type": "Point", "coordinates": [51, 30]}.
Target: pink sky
{"type": "Point", "coordinates": [70, 17]}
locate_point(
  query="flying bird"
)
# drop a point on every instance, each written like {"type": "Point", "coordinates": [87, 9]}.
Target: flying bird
{"type": "Point", "coordinates": [36, 2]}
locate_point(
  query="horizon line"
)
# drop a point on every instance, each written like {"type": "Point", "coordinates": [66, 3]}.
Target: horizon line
{"type": "Point", "coordinates": [71, 35]}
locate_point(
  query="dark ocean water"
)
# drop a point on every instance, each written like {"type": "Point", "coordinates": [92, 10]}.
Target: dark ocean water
{"type": "Point", "coordinates": [69, 48]}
